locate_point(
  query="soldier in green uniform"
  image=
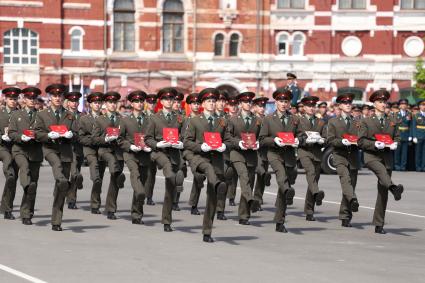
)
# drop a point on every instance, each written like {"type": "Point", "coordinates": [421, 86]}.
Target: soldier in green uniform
{"type": "Point", "coordinates": [345, 156]}
{"type": "Point", "coordinates": [167, 155]}
{"type": "Point", "coordinates": [57, 147]}
{"type": "Point", "coordinates": [136, 157]}
{"type": "Point", "coordinates": [150, 104]}
{"type": "Point", "coordinates": [109, 151]}
{"type": "Point", "coordinates": [280, 155]}
{"type": "Point", "coordinates": [10, 170]}
{"type": "Point", "coordinates": [244, 158]}
{"type": "Point", "coordinates": [379, 156]}
{"type": "Point", "coordinates": [311, 135]}
{"type": "Point", "coordinates": [26, 151]}
{"type": "Point", "coordinates": [405, 118]}
{"type": "Point", "coordinates": [418, 135]}
{"type": "Point", "coordinates": [177, 107]}
{"type": "Point", "coordinates": [207, 160]}
{"type": "Point", "coordinates": [96, 166]}
{"type": "Point", "coordinates": [76, 176]}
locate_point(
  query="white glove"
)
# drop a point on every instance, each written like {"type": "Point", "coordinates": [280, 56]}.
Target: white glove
{"type": "Point", "coordinates": [279, 142]}
{"type": "Point", "coordinates": [310, 140]}
{"type": "Point", "coordinates": [379, 145]}
{"type": "Point", "coordinates": [346, 142]}
{"type": "Point", "coordinates": [296, 143]}
{"type": "Point", "coordinates": [257, 145]}
{"type": "Point", "coordinates": [241, 146]}
{"type": "Point", "coordinates": [5, 138]}
{"type": "Point", "coordinates": [178, 145]}
{"type": "Point", "coordinates": [135, 148]}
{"type": "Point", "coordinates": [68, 135]}
{"type": "Point", "coordinates": [25, 138]}
{"type": "Point", "coordinates": [162, 144]}
{"type": "Point", "coordinates": [393, 146]}
{"type": "Point", "coordinates": [410, 138]}
{"type": "Point", "coordinates": [222, 148]}
{"type": "Point", "coordinates": [205, 147]}
{"type": "Point", "coordinates": [147, 149]}
{"type": "Point", "coordinates": [53, 135]}
{"type": "Point", "coordinates": [110, 138]}
{"type": "Point", "coordinates": [320, 141]}
{"type": "Point", "coordinates": [415, 140]}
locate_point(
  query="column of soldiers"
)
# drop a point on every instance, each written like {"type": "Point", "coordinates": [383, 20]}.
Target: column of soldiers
{"type": "Point", "coordinates": [110, 140]}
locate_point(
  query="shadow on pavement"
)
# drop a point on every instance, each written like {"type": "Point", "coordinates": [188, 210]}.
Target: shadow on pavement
{"type": "Point", "coordinates": [402, 231]}
{"type": "Point", "coordinates": [83, 229]}
{"type": "Point", "coordinates": [301, 231]}
{"type": "Point", "coordinates": [235, 240]}
{"type": "Point", "coordinates": [48, 221]}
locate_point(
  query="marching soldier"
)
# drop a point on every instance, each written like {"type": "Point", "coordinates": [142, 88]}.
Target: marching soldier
{"type": "Point", "coordinates": [311, 138]}
{"type": "Point", "coordinates": [57, 146]}
{"type": "Point", "coordinates": [10, 170]}
{"type": "Point", "coordinates": [345, 156]}
{"type": "Point", "coordinates": [244, 158]}
{"type": "Point", "coordinates": [418, 135]}
{"type": "Point", "coordinates": [379, 157]}
{"type": "Point", "coordinates": [76, 177]}
{"type": "Point", "coordinates": [405, 118]}
{"type": "Point", "coordinates": [207, 160]}
{"type": "Point", "coordinates": [177, 107]}
{"type": "Point", "coordinates": [85, 133]}
{"type": "Point", "coordinates": [167, 155]}
{"type": "Point", "coordinates": [109, 151]}
{"type": "Point", "coordinates": [26, 151]}
{"type": "Point", "coordinates": [136, 156]}
{"type": "Point", "coordinates": [280, 155]}
{"type": "Point", "coordinates": [150, 104]}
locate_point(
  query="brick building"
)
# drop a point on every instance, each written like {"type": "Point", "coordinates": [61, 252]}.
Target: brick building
{"type": "Point", "coordinates": [332, 45]}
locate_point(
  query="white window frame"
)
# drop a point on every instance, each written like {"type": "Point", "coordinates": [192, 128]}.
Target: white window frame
{"type": "Point", "coordinates": [225, 40]}
{"type": "Point", "coordinates": [20, 40]}
{"type": "Point", "coordinates": [301, 46]}
{"type": "Point", "coordinates": [367, 4]}
{"type": "Point", "coordinates": [291, 8]}
{"type": "Point", "coordinates": [240, 40]}
{"type": "Point", "coordinates": [288, 43]}
{"type": "Point", "coordinates": [81, 38]}
{"type": "Point", "coordinates": [410, 8]}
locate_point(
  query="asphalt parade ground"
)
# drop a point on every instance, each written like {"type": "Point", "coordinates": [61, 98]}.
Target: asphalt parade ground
{"type": "Point", "coordinates": [94, 249]}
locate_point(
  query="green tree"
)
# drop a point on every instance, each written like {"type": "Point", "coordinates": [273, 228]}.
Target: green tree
{"type": "Point", "coordinates": [420, 78]}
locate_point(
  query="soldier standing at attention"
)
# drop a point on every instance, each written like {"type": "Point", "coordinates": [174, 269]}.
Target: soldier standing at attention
{"type": "Point", "coordinates": [136, 157]}
{"type": "Point", "coordinates": [167, 155]}
{"type": "Point", "coordinates": [281, 156]}
{"type": "Point", "coordinates": [57, 147]}
{"type": "Point", "coordinates": [405, 118]}
{"type": "Point", "coordinates": [345, 156]}
{"type": "Point", "coordinates": [109, 150]}
{"type": "Point", "coordinates": [10, 170]}
{"type": "Point", "coordinates": [418, 135]}
{"type": "Point", "coordinates": [379, 156]}
{"type": "Point", "coordinates": [293, 87]}
{"type": "Point", "coordinates": [26, 151]}
{"type": "Point", "coordinates": [207, 160]}
{"type": "Point", "coordinates": [311, 137]}
{"type": "Point", "coordinates": [150, 104]}
{"type": "Point", "coordinates": [76, 176]}
{"type": "Point", "coordinates": [96, 166]}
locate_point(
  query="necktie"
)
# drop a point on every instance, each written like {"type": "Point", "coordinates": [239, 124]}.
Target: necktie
{"type": "Point", "coordinates": [283, 120]}
{"type": "Point", "coordinates": [168, 117]}
{"type": "Point", "coordinates": [112, 118]}
{"type": "Point", "coordinates": [57, 115]}
{"type": "Point", "coordinates": [139, 121]}
{"type": "Point", "coordinates": [30, 114]}
{"type": "Point", "coordinates": [247, 122]}
{"type": "Point", "coordinates": [312, 121]}
{"type": "Point", "coordinates": [381, 120]}
{"type": "Point", "coordinates": [211, 122]}
{"type": "Point", "coordinates": [348, 122]}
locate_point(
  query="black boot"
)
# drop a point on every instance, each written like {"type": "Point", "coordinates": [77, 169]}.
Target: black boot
{"type": "Point", "coordinates": [310, 217]}
{"type": "Point", "coordinates": [354, 204]}
{"type": "Point", "coordinates": [9, 215]}
{"type": "Point", "coordinates": [380, 230]}
{"type": "Point", "coordinates": [208, 239]}
{"type": "Point", "coordinates": [194, 211]}
{"type": "Point", "coordinates": [111, 216]}
{"type": "Point", "coordinates": [221, 216]}
{"type": "Point", "coordinates": [167, 228]}
{"type": "Point", "coordinates": [346, 223]}
{"type": "Point", "coordinates": [280, 227]}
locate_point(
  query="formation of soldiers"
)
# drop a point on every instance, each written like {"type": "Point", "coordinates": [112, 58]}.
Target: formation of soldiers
{"type": "Point", "coordinates": [221, 148]}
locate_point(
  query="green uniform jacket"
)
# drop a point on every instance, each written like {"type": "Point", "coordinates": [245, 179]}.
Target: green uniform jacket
{"type": "Point", "coordinates": [85, 134]}
{"type": "Point", "coordinates": [100, 125]}
{"type": "Point", "coordinates": [4, 123]}
{"type": "Point", "coordinates": [313, 151]}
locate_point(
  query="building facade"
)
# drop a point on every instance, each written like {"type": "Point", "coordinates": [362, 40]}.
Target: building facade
{"type": "Point", "coordinates": [332, 46]}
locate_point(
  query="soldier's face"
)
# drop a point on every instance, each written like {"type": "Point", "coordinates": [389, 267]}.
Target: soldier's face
{"type": "Point", "coordinates": [422, 107]}
{"type": "Point", "coordinates": [56, 100]}
{"type": "Point", "coordinates": [233, 109]}
{"type": "Point", "coordinates": [95, 106]}
{"type": "Point", "coordinates": [246, 105]}
{"type": "Point", "coordinates": [167, 103]}
{"type": "Point", "coordinates": [220, 104]}
{"type": "Point", "coordinates": [309, 109]}
{"type": "Point", "coordinates": [403, 106]}
{"type": "Point", "coordinates": [345, 107]}
{"type": "Point", "coordinates": [150, 105]}
{"type": "Point", "coordinates": [282, 105]}
{"type": "Point", "coordinates": [260, 109]}
{"type": "Point", "coordinates": [73, 105]}
{"type": "Point", "coordinates": [137, 105]}
{"type": "Point", "coordinates": [209, 105]}
{"type": "Point", "coordinates": [11, 102]}
{"type": "Point", "coordinates": [111, 106]}
{"type": "Point", "coordinates": [194, 107]}
{"type": "Point", "coordinates": [29, 102]}
{"type": "Point", "coordinates": [177, 105]}
{"type": "Point", "coordinates": [365, 112]}
{"type": "Point", "coordinates": [380, 105]}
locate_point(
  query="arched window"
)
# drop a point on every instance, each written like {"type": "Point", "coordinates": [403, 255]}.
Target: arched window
{"type": "Point", "coordinates": [124, 29]}
{"type": "Point", "coordinates": [218, 44]}
{"type": "Point", "coordinates": [283, 44]}
{"type": "Point", "coordinates": [20, 47]}
{"type": "Point", "coordinates": [358, 92]}
{"type": "Point", "coordinates": [77, 34]}
{"type": "Point", "coordinates": [234, 45]}
{"type": "Point", "coordinates": [172, 27]}
{"type": "Point", "coordinates": [298, 44]}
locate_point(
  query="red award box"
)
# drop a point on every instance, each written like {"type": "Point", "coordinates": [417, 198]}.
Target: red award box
{"type": "Point", "coordinates": [139, 140]}
{"type": "Point", "coordinates": [351, 138]}
{"type": "Point", "coordinates": [249, 140]}
{"type": "Point", "coordinates": [60, 129]}
{"type": "Point", "coordinates": [213, 139]}
{"type": "Point", "coordinates": [287, 137]}
{"type": "Point", "coordinates": [29, 133]}
{"type": "Point", "coordinates": [385, 138]}
{"type": "Point", "coordinates": [112, 132]}
{"type": "Point", "coordinates": [170, 135]}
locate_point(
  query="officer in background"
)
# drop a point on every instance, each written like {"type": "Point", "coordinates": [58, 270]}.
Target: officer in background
{"type": "Point", "coordinates": [405, 118]}
{"type": "Point", "coordinates": [57, 147]}
{"type": "Point", "coordinates": [379, 156]}
{"type": "Point", "coordinates": [150, 104]}
{"type": "Point", "coordinates": [26, 151]}
{"type": "Point", "coordinates": [10, 170]}
{"type": "Point", "coordinates": [418, 135]}
{"type": "Point", "coordinates": [85, 134]}
{"type": "Point", "coordinates": [293, 87]}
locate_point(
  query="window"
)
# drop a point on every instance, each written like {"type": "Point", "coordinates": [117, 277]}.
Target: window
{"type": "Point", "coordinates": [352, 4]}
{"type": "Point", "coordinates": [358, 92]}
{"type": "Point", "coordinates": [290, 4]}
{"type": "Point", "coordinates": [172, 28]}
{"type": "Point", "coordinates": [234, 45]}
{"type": "Point", "coordinates": [218, 44]}
{"type": "Point", "coordinates": [283, 44]}
{"type": "Point", "coordinates": [410, 94]}
{"type": "Point", "coordinates": [76, 39]}
{"type": "Point", "coordinates": [412, 4]}
{"type": "Point", "coordinates": [124, 29]}
{"type": "Point", "coordinates": [20, 46]}
{"type": "Point", "coordinates": [298, 44]}
{"type": "Point", "coordinates": [290, 45]}
{"type": "Point", "coordinates": [414, 46]}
